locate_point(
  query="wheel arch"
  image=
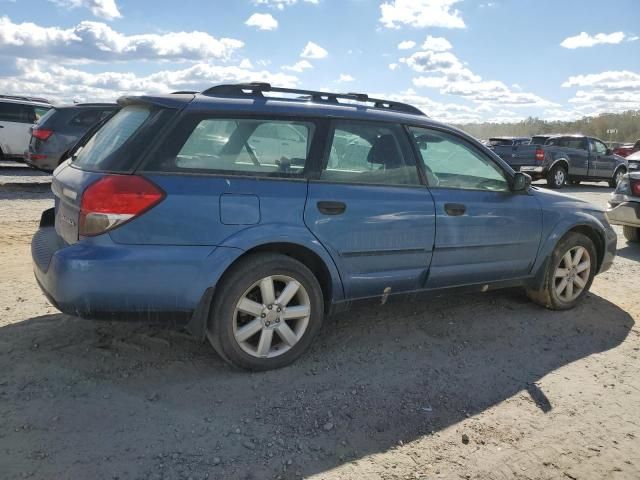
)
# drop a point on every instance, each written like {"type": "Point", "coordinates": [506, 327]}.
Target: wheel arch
{"type": "Point", "coordinates": [561, 160]}
{"type": "Point", "coordinates": [590, 229]}
{"type": "Point", "coordinates": [619, 167]}
{"type": "Point", "coordinates": [312, 255]}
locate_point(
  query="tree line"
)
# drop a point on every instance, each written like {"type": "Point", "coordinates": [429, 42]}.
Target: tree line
{"type": "Point", "coordinates": [627, 125]}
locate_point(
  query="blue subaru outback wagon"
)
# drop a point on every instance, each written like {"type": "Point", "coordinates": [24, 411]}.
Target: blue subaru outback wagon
{"type": "Point", "coordinates": [259, 210]}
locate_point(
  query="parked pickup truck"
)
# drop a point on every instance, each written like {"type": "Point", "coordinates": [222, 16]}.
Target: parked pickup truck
{"type": "Point", "coordinates": [563, 158]}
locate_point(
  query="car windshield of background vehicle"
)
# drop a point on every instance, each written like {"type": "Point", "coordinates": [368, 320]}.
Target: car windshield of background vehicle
{"type": "Point", "coordinates": [450, 163]}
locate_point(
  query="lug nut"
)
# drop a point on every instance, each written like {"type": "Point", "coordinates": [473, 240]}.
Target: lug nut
{"type": "Point", "coordinates": [263, 315]}
{"type": "Point", "coordinates": [270, 307]}
{"type": "Point", "coordinates": [267, 323]}
{"type": "Point", "coordinates": [277, 320]}
{"type": "Point", "coordinates": [279, 309]}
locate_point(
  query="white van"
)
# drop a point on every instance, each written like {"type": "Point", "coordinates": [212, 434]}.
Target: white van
{"type": "Point", "coordinates": [17, 116]}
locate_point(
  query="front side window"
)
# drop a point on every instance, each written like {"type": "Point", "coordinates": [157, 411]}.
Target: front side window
{"type": "Point", "coordinates": [599, 147]}
{"type": "Point", "coordinates": [251, 146]}
{"type": "Point", "coordinates": [369, 153]}
{"type": "Point", "coordinates": [450, 162]}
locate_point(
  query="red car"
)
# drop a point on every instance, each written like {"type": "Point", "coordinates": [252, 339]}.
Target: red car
{"type": "Point", "coordinates": [627, 149]}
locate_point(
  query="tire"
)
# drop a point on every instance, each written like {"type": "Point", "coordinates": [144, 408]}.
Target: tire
{"type": "Point", "coordinates": [242, 284]}
{"type": "Point", "coordinates": [552, 295]}
{"type": "Point", "coordinates": [632, 234]}
{"type": "Point", "coordinates": [556, 177]}
{"type": "Point", "coordinates": [617, 176]}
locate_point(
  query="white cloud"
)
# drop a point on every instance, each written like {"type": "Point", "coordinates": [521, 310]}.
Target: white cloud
{"type": "Point", "coordinates": [406, 45]}
{"type": "Point", "coordinates": [586, 40]}
{"type": "Point", "coordinates": [313, 51]}
{"type": "Point", "coordinates": [281, 4]}
{"type": "Point", "coordinates": [611, 80]}
{"type": "Point", "coordinates": [444, 71]}
{"type": "Point", "coordinates": [106, 9]}
{"type": "Point", "coordinates": [262, 21]}
{"type": "Point", "coordinates": [436, 44]}
{"type": "Point", "coordinates": [96, 41]}
{"type": "Point", "coordinates": [393, 66]}
{"type": "Point", "coordinates": [345, 77]}
{"type": "Point", "coordinates": [421, 13]}
{"type": "Point", "coordinates": [64, 84]}
{"type": "Point", "coordinates": [606, 91]}
{"type": "Point", "coordinates": [299, 66]}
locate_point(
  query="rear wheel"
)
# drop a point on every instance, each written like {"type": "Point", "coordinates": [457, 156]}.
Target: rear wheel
{"type": "Point", "coordinates": [266, 312]}
{"type": "Point", "coordinates": [569, 275]}
{"type": "Point", "coordinates": [617, 177]}
{"type": "Point", "coordinates": [632, 234]}
{"type": "Point", "coordinates": [556, 177]}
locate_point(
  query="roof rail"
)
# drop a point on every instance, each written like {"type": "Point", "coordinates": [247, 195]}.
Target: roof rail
{"type": "Point", "coordinates": [256, 89]}
{"type": "Point", "coordinates": [181, 92]}
{"type": "Point", "coordinates": [26, 99]}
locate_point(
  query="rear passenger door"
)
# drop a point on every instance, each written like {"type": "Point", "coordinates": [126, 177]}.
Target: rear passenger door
{"type": "Point", "coordinates": [367, 206]}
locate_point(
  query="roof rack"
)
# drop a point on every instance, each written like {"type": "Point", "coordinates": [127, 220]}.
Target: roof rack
{"type": "Point", "coordinates": [26, 99]}
{"type": "Point", "coordinates": [256, 89]}
{"type": "Point", "coordinates": [182, 92]}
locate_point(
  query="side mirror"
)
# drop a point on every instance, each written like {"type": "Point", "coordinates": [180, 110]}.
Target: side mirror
{"type": "Point", "coordinates": [521, 182]}
{"type": "Point", "coordinates": [609, 151]}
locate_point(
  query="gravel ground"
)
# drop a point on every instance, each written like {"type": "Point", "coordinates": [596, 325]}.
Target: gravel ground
{"type": "Point", "coordinates": [485, 386]}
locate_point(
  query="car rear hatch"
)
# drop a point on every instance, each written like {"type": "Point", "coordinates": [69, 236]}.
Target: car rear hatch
{"type": "Point", "coordinates": [113, 151]}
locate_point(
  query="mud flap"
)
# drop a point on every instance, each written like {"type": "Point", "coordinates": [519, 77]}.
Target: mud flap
{"type": "Point", "coordinates": [197, 325]}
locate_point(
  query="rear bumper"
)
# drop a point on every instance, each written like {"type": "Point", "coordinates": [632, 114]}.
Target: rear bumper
{"type": "Point", "coordinates": [625, 213]}
{"type": "Point", "coordinates": [44, 162]}
{"type": "Point", "coordinates": [99, 276]}
{"type": "Point", "coordinates": [536, 172]}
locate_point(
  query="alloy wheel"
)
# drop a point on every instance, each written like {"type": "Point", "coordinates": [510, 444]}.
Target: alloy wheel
{"type": "Point", "coordinates": [559, 177]}
{"type": "Point", "coordinates": [572, 274]}
{"type": "Point", "coordinates": [271, 316]}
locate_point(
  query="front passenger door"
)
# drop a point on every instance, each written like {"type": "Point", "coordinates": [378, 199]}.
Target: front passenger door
{"type": "Point", "coordinates": [484, 232]}
{"type": "Point", "coordinates": [605, 164]}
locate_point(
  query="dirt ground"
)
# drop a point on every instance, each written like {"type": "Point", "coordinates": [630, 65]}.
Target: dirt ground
{"type": "Point", "coordinates": [483, 386]}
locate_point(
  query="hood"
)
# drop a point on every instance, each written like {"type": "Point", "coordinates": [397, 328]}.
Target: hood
{"type": "Point", "coordinates": [554, 199]}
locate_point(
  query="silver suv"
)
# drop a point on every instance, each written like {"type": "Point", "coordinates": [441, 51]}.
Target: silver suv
{"type": "Point", "coordinates": [17, 115]}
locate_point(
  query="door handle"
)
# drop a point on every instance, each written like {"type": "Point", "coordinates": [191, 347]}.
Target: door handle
{"type": "Point", "coordinates": [455, 209]}
{"type": "Point", "coordinates": [331, 208]}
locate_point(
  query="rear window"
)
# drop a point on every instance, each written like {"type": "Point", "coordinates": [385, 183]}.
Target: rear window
{"type": "Point", "coordinates": [497, 142]}
{"type": "Point", "coordinates": [110, 139]}
{"type": "Point", "coordinates": [250, 146]}
{"type": "Point", "coordinates": [538, 140]}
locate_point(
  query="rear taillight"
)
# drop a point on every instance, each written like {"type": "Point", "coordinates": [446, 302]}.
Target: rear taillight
{"type": "Point", "coordinates": [539, 155]}
{"type": "Point", "coordinates": [114, 200]}
{"type": "Point", "coordinates": [635, 188]}
{"type": "Point", "coordinates": [41, 133]}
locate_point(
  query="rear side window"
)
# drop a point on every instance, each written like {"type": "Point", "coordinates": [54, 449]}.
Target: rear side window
{"type": "Point", "coordinates": [500, 142]}
{"type": "Point", "coordinates": [267, 147]}
{"type": "Point", "coordinates": [88, 118]}
{"type": "Point", "coordinates": [46, 116]}
{"type": "Point", "coordinates": [16, 112]}
{"type": "Point", "coordinates": [369, 153]}
{"type": "Point", "coordinates": [538, 140]}
{"type": "Point", "coordinates": [111, 137]}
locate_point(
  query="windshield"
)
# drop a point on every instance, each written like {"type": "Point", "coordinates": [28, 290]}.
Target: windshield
{"type": "Point", "coordinates": [112, 136]}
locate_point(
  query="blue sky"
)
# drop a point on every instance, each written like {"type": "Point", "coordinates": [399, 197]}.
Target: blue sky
{"type": "Point", "coordinates": [458, 60]}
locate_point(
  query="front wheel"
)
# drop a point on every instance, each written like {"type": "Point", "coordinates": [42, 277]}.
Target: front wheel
{"type": "Point", "coordinates": [266, 313]}
{"type": "Point", "coordinates": [556, 177]}
{"type": "Point", "coordinates": [632, 234]}
{"type": "Point", "coordinates": [569, 275]}
{"type": "Point", "coordinates": [617, 177]}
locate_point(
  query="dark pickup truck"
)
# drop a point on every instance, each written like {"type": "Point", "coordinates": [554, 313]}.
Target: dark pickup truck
{"type": "Point", "coordinates": [563, 158]}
